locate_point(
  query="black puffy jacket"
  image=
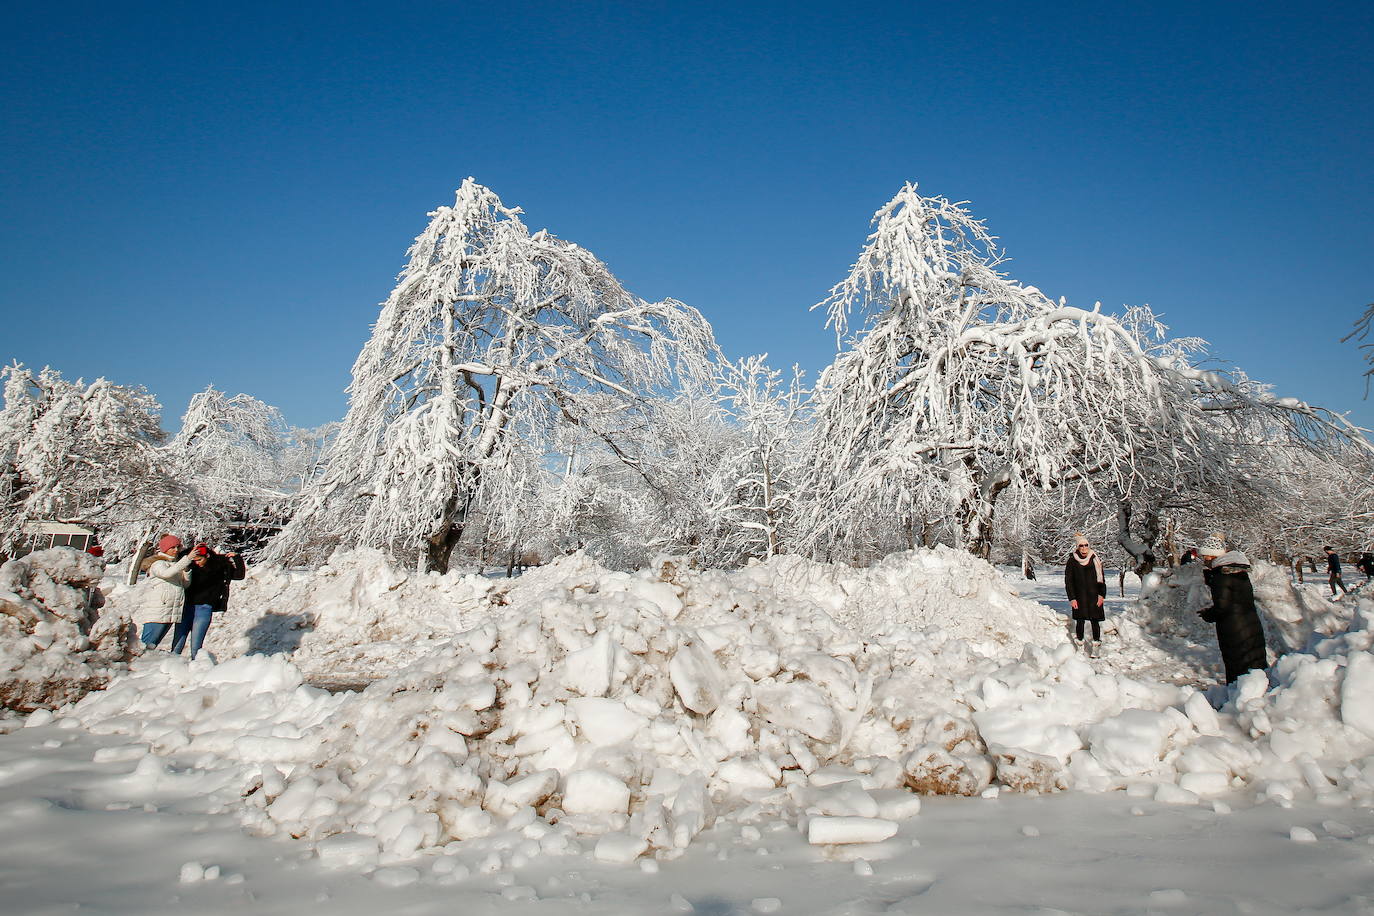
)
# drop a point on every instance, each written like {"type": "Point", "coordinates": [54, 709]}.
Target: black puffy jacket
{"type": "Point", "coordinates": [210, 583]}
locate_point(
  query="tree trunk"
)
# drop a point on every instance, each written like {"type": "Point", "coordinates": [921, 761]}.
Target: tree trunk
{"type": "Point", "coordinates": [1140, 549]}
{"type": "Point", "coordinates": [439, 546]}
{"type": "Point", "coordinates": [977, 516]}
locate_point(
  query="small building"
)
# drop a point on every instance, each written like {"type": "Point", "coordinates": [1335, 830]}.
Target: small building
{"type": "Point", "coordinates": [42, 535]}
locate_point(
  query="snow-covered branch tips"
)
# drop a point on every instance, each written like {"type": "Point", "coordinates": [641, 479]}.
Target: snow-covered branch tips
{"type": "Point", "coordinates": [493, 338]}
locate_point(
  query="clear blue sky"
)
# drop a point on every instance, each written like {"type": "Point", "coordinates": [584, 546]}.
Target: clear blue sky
{"type": "Point", "coordinates": [223, 194]}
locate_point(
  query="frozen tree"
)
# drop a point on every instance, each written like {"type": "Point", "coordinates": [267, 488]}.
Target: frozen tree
{"type": "Point", "coordinates": [84, 453]}
{"type": "Point", "coordinates": [962, 382]}
{"type": "Point", "coordinates": [492, 338]}
{"type": "Point", "coordinates": [232, 450]}
{"type": "Point", "coordinates": [307, 454]}
{"type": "Point", "coordinates": [771, 414]}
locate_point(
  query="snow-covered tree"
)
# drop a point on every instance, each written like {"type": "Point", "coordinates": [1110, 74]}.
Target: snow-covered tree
{"type": "Point", "coordinates": [963, 382]}
{"type": "Point", "coordinates": [771, 415]}
{"type": "Point", "coordinates": [84, 453]}
{"type": "Point", "coordinates": [233, 452]}
{"type": "Point", "coordinates": [492, 338]}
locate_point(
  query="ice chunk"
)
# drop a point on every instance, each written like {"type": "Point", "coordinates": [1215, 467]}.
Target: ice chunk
{"type": "Point", "coordinates": [595, 792]}
{"type": "Point", "coordinates": [620, 848]}
{"type": "Point", "coordinates": [696, 677]}
{"type": "Point", "coordinates": [845, 799]}
{"type": "Point", "coordinates": [825, 831]}
{"type": "Point", "coordinates": [1357, 693]}
{"type": "Point", "coordinates": [1133, 742]}
{"type": "Point", "coordinates": [604, 722]}
{"type": "Point", "coordinates": [588, 671]}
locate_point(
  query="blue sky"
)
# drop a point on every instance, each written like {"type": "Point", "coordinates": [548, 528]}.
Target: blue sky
{"type": "Point", "coordinates": [223, 195]}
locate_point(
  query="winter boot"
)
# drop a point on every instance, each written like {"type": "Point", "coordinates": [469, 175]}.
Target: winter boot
{"type": "Point", "coordinates": [1093, 646]}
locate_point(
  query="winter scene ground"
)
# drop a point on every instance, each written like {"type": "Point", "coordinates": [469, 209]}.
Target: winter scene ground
{"type": "Point", "coordinates": [917, 736]}
{"type": "Point", "coordinates": [866, 459]}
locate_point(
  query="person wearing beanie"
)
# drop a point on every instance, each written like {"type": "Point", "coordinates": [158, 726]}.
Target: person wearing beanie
{"type": "Point", "coordinates": [1086, 587]}
{"type": "Point", "coordinates": [1240, 636]}
{"type": "Point", "coordinates": [162, 597]}
{"type": "Point", "coordinates": [206, 595]}
{"type": "Point", "coordinates": [1333, 572]}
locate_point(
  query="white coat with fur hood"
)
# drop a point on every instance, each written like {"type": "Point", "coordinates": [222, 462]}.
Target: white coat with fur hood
{"type": "Point", "coordinates": [162, 597]}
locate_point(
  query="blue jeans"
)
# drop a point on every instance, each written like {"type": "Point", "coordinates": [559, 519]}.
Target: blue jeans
{"type": "Point", "coordinates": [153, 633]}
{"type": "Point", "coordinates": [195, 621]}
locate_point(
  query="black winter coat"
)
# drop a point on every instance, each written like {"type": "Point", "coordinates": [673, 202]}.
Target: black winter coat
{"type": "Point", "coordinates": [210, 583]}
{"type": "Point", "coordinates": [1239, 632]}
{"type": "Point", "coordinates": [1081, 585]}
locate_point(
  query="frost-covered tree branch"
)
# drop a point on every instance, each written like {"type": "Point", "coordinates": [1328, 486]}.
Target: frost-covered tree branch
{"type": "Point", "coordinates": [490, 337]}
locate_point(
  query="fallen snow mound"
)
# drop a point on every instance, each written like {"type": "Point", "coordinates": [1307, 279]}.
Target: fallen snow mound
{"type": "Point", "coordinates": [358, 616]}
{"type": "Point", "coordinates": [617, 715]}
{"type": "Point", "coordinates": [55, 645]}
{"type": "Point", "coordinates": [1294, 616]}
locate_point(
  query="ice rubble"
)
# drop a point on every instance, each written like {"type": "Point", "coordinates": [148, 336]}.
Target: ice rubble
{"type": "Point", "coordinates": [618, 715]}
{"type": "Point", "coordinates": [1293, 616]}
{"type": "Point", "coordinates": [55, 644]}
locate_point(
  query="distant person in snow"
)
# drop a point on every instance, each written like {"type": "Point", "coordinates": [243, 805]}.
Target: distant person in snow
{"type": "Point", "coordinates": [1333, 572]}
{"type": "Point", "coordinates": [1086, 587]}
{"type": "Point", "coordinates": [1239, 633]}
{"type": "Point", "coordinates": [162, 597]}
{"type": "Point", "coordinates": [1366, 565]}
{"type": "Point", "coordinates": [207, 595]}
{"type": "Point", "coordinates": [1189, 556]}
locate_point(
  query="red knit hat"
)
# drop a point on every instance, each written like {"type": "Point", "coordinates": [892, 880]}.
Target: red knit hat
{"type": "Point", "coordinates": [168, 543]}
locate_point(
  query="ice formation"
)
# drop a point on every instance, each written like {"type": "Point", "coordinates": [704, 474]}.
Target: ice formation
{"type": "Point", "coordinates": [617, 715]}
{"type": "Point", "coordinates": [55, 643]}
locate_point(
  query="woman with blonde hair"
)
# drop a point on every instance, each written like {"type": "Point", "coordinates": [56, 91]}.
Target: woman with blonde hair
{"type": "Point", "coordinates": [1086, 587]}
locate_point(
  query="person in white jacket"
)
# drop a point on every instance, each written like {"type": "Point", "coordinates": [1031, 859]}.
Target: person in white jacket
{"type": "Point", "coordinates": [162, 598]}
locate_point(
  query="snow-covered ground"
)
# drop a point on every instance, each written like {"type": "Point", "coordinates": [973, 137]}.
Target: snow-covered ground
{"type": "Point", "coordinates": [84, 836]}
{"type": "Point", "coordinates": [699, 741]}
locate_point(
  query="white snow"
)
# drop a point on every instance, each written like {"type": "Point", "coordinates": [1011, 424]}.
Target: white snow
{"type": "Point", "coordinates": [596, 719]}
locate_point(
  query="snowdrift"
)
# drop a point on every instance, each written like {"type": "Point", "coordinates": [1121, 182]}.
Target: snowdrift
{"type": "Point", "coordinates": [618, 715]}
{"type": "Point", "coordinates": [1294, 616]}
{"type": "Point", "coordinates": [55, 642]}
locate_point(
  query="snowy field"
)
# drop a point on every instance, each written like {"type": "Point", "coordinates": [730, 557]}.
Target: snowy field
{"type": "Point", "coordinates": [578, 740]}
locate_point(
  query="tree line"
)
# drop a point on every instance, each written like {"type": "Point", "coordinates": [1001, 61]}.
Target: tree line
{"type": "Point", "coordinates": [515, 398]}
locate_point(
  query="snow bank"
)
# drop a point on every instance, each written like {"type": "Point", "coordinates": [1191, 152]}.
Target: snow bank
{"type": "Point", "coordinates": [1293, 615]}
{"type": "Point", "coordinates": [55, 643]}
{"type": "Point", "coordinates": [618, 715]}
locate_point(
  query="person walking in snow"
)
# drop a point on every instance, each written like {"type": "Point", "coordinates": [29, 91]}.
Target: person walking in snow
{"type": "Point", "coordinates": [1333, 571]}
{"type": "Point", "coordinates": [207, 595]}
{"type": "Point", "coordinates": [1086, 587]}
{"type": "Point", "coordinates": [163, 596]}
{"type": "Point", "coordinates": [1366, 565]}
{"type": "Point", "coordinates": [1240, 636]}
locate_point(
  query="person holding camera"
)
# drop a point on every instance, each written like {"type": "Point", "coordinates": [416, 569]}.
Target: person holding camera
{"type": "Point", "coordinates": [162, 598]}
{"type": "Point", "coordinates": [206, 595]}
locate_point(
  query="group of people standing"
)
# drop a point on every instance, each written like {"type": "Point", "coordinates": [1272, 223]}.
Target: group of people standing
{"type": "Point", "coordinates": [185, 588]}
{"type": "Point", "coordinates": [1231, 609]}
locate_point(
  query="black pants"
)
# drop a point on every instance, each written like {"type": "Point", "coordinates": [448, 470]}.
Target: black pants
{"type": "Point", "coordinates": [1097, 628]}
{"type": "Point", "coordinates": [1334, 581]}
